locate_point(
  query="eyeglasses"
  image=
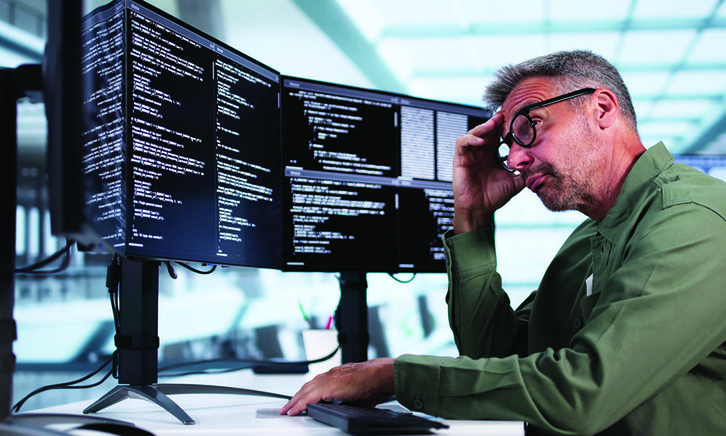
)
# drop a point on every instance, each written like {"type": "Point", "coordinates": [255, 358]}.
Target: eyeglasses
{"type": "Point", "coordinates": [522, 128]}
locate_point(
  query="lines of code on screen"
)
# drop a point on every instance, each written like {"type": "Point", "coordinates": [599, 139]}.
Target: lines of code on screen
{"type": "Point", "coordinates": [367, 177]}
{"type": "Point", "coordinates": [201, 169]}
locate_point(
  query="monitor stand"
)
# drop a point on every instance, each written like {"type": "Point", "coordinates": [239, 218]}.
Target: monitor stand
{"type": "Point", "coordinates": [137, 342]}
{"type": "Point", "coordinates": [351, 317]}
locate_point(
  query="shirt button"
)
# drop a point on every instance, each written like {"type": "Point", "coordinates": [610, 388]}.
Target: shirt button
{"type": "Point", "coordinates": [577, 323]}
{"type": "Point", "coordinates": [417, 403]}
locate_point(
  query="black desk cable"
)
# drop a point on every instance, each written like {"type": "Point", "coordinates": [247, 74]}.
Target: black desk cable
{"type": "Point", "coordinates": [37, 268]}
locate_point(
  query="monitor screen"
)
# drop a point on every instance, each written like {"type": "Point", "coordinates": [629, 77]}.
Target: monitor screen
{"type": "Point", "coordinates": [367, 177]}
{"type": "Point", "coordinates": [712, 164]}
{"type": "Point", "coordinates": [194, 151]}
{"type": "Point", "coordinates": [181, 137]}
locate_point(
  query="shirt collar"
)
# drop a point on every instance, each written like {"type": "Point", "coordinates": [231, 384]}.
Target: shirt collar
{"type": "Point", "coordinates": [648, 166]}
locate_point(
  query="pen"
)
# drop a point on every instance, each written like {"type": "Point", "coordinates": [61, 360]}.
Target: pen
{"type": "Point", "coordinates": [304, 315]}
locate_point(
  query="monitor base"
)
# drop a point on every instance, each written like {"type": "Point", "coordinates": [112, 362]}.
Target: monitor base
{"type": "Point", "coordinates": [159, 395]}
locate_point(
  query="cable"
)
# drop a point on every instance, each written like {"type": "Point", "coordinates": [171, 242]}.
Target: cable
{"type": "Point", "coordinates": [36, 267]}
{"type": "Point", "coordinates": [68, 385]}
{"type": "Point", "coordinates": [192, 269]}
{"type": "Point", "coordinates": [245, 363]}
{"type": "Point", "coordinates": [112, 282]}
{"type": "Point", "coordinates": [173, 274]}
{"type": "Point", "coordinates": [113, 277]}
{"type": "Point", "coordinates": [402, 281]}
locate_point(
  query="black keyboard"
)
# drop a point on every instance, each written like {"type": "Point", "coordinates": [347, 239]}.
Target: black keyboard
{"type": "Point", "coordinates": [359, 420]}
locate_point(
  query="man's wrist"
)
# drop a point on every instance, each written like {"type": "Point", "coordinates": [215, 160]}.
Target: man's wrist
{"type": "Point", "coordinates": [468, 223]}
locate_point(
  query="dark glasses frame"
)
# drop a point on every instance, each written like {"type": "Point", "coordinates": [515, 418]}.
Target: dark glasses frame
{"type": "Point", "coordinates": [510, 137]}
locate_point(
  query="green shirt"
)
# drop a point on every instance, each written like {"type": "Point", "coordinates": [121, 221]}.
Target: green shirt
{"type": "Point", "coordinates": [625, 334]}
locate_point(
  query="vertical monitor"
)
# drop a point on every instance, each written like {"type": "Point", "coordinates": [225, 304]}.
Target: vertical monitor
{"type": "Point", "coordinates": [181, 141]}
{"type": "Point", "coordinates": [367, 177]}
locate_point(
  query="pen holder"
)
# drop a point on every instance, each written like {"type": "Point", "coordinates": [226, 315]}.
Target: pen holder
{"type": "Point", "coordinates": [319, 343]}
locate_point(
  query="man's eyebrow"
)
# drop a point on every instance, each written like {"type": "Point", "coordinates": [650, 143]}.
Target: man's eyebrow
{"type": "Point", "coordinates": [523, 107]}
{"type": "Point", "coordinates": [535, 110]}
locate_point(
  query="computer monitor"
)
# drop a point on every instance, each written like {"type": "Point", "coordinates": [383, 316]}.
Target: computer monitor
{"type": "Point", "coordinates": [711, 164]}
{"type": "Point", "coordinates": [175, 153]}
{"type": "Point", "coordinates": [183, 157]}
{"type": "Point", "coordinates": [62, 97]}
{"type": "Point", "coordinates": [367, 177]}
{"type": "Point", "coordinates": [181, 139]}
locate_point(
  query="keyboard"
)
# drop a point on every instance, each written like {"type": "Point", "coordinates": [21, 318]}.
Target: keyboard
{"type": "Point", "coordinates": [359, 420]}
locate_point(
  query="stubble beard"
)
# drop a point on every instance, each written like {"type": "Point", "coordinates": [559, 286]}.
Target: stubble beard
{"type": "Point", "coordinates": [573, 186]}
{"type": "Point", "coordinates": [564, 192]}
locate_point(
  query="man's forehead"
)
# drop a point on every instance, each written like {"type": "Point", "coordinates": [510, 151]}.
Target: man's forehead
{"type": "Point", "coordinates": [527, 92]}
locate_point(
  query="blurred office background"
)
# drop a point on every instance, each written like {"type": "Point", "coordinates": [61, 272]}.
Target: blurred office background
{"type": "Point", "coordinates": [671, 54]}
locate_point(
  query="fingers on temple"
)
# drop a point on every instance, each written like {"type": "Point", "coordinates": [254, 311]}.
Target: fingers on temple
{"type": "Point", "coordinates": [493, 124]}
{"type": "Point", "coordinates": [475, 136]}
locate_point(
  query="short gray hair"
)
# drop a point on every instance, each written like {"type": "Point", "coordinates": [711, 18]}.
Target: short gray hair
{"type": "Point", "coordinates": [573, 70]}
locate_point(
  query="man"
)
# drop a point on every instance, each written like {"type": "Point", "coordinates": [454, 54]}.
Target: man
{"type": "Point", "coordinates": [625, 334]}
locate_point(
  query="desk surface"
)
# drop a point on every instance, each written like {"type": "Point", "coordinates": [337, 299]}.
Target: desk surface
{"type": "Point", "coordinates": [250, 415]}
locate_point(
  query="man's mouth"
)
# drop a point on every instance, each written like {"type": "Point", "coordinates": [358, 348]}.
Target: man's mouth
{"type": "Point", "coordinates": [534, 182]}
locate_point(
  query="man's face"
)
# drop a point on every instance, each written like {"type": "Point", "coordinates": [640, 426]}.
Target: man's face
{"type": "Point", "coordinates": [564, 164]}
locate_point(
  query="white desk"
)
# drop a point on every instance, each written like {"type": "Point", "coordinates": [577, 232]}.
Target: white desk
{"type": "Point", "coordinates": [250, 415]}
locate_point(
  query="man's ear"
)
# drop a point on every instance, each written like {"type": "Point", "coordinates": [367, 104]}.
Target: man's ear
{"type": "Point", "coordinates": [606, 107]}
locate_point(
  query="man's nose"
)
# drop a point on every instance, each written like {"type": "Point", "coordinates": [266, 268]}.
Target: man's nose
{"type": "Point", "coordinates": [519, 157]}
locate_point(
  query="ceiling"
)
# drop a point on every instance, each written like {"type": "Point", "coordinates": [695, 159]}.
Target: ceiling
{"type": "Point", "coordinates": [671, 53]}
